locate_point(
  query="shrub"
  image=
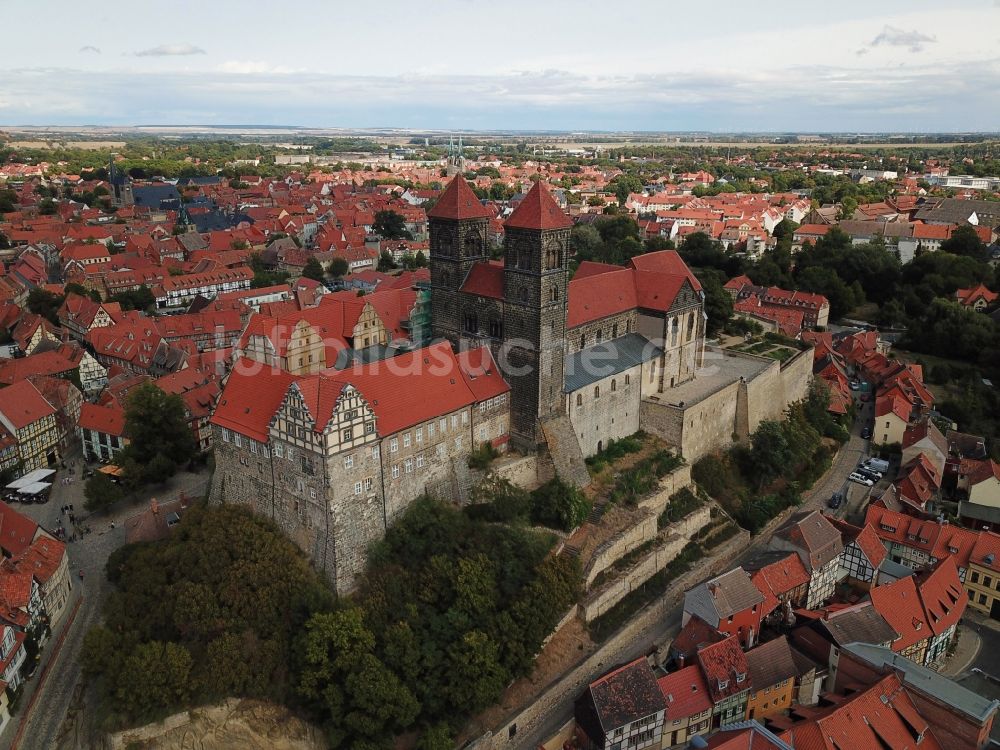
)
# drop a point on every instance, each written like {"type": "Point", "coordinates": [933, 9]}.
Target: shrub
{"type": "Point", "coordinates": [559, 505]}
{"type": "Point", "coordinates": [483, 456]}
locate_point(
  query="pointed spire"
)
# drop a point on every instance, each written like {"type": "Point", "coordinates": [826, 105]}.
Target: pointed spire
{"type": "Point", "coordinates": [458, 202]}
{"type": "Point", "coordinates": [538, 210]}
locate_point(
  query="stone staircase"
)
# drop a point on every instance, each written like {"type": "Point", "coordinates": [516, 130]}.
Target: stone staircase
{"type": "Point", "coordinates": [564, 450]}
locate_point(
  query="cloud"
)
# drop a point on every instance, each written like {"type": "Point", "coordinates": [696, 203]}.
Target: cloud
{"type": "Point", "coordinates": [895, 37]}
{"type": "Point", "coordinates": [170, 50]}
{"type": "Point", "coordinates": [90, 48]}
{"type": "Point", "coordinates": [255, 67]}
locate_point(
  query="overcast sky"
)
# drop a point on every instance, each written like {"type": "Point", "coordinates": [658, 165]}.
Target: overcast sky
{"type": "Point", "coordinates": [769, 65]}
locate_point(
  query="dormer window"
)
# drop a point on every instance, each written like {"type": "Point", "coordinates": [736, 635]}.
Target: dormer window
{"type": "Point", "coordinates": [723, 684]}
{"type": "Point", "coordinates": [740, 677]}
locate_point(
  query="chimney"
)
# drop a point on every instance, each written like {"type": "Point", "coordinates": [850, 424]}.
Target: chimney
{"type": "Point", "coordinates": [680, 661]}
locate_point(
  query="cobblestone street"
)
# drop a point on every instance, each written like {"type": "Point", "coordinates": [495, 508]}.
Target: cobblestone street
{"type": "Point", "coordinates": [48, 695]}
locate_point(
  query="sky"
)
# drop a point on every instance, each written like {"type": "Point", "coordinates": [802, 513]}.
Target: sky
{"type": "Point", "coordinates": [650, 65]}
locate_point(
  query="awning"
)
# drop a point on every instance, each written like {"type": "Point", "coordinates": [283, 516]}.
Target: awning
{"type": "Point", "coordinates": [112, 471]}
{"type": "Point", "coordinates": [31, 478]}
{"type": "Point", "coordinates": [34, 488]}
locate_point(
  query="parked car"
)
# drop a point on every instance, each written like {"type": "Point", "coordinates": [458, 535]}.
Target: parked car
{"type": "Point", "coordinates": [860, 479]}
{"type": "Point", "coordinates": [873, 475]}
{"type": "Point", "coordinates": [866, 433]}
{"type": "Point", "coordinates": [877, 464]}
{"type": "Point", "coordinates": [855, 385]}
{"type": "Point", "coordinates": [836, 500]}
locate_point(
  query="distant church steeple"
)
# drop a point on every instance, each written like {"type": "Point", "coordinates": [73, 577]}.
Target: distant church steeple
{"type": "Point", "coordinates": [456, 158]}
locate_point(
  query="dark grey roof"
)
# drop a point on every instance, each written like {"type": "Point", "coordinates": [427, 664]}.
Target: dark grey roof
{"type": "Point", "coordinates": [723, 596]}
{"type": "Point", "coordinates": [213, 180]}
{"type": "Point", "coordinates": [771, 663]}
{"type": "Point", "coordinates": [211, 221]}
{"type": "Point", "coordinates": [957, 211]}
{"type": "Point", "coordinates": [608, 358]}
{"type": "Point", "coordinates": [860, 623]}
{"type": "Point", "coordinates": [927, 681]}
{"type": "Point", "coordinates": [163, 197]}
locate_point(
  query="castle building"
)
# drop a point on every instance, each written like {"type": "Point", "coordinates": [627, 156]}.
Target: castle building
{"type": "Point", "coordinates": [333, 451]}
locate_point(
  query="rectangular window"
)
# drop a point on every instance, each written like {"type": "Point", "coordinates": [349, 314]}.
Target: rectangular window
{"type": "Point", "coordinates": [420, 434]}
{"type": "Point", "coordinates": [368, 484]}
{"type": "Point", "coordinates": [975, 577]}
{"type": "Point", "coordinates": [408, 465]}
{"type": "Point", "coordinates": [348, 434]}
{"type": "Point", "coordinates": [430, 431]}
{"type": "Point", "coordinates": [393, 445]}
{"type": "Point", "coordinates": [238, 440]}
{"type": "Point", "coordinates": [349, 462]}
{"type": "Point", "coordinates": [443, 425]}
{"type": "Point", "coordinates": [465, 417]}
{"type": "Point", "coordinates": [482, 433]}
{"type": "Point", "coordinates": [253, 446]}
{"type": "Point", "coordinates": [395, 471]}
{"type": "Point", "coordinates": [375, 452]}
{"type": "Point", "coordinates": [312, 492]}
{"type": "Point", "coordinates": [454, 421]}
{"type": "Point", "coordinates": [369, 427]}
{"type": "Point", "coordinates": [420, 462]}
{"type": "Point", "coordinates": [406, 440]}
{"type": "Point", "coordinates": [225, 435]}
{"type": "Point", "coordinates": [357, 488]}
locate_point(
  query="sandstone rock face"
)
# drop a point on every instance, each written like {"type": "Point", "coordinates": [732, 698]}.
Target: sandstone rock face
{"type": "Point", "coordinates": [235, 723]}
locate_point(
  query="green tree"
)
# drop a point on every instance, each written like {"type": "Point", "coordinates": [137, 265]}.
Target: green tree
{"type": "Point", "coordinates": [45, 303]}
{"type": "Point", "coordinates": [559, 504]}
{"type": "Point", "coordinates": [718, 302]}
{"type": "Point", "coordinates": [586, 241]}
{"type": "Point", "coordinates": [479, 676]}
{"type": "Point", "coordinates": [160, 438]}
{"type": "Point", "coordinates": [154, 675]}
{"type": "Point", "coordinates": [964, 241]}
{"type": "Point", "coordinates": [338, 267]}
{"type": "Point", "coordinates": [436, 737]}
{"type": "Point", "coordinates": [313, 269]}
{"type": "Point", "coordinates": [385, 262]}
{"type": "Point", "coordinates": [770, 453]}
{"type": "Point", "coordinates": [100, 492]}
{"type": "Point", "coordinates": [391, 225]}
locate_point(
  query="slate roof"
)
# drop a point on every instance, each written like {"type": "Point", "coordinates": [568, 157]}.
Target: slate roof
{"type": "Point", "coordinates": [722, 596]}
{"type": "Point", "coordinates": [587, 366]}
{"type": "Point", "coordinates": [771, 663]}
{"type": "Point", "coordinates": [817, 539]}
{"type": "Point", "coordinates": [858, 623]}
{"type": "Point", "coordinates": [162, 196]}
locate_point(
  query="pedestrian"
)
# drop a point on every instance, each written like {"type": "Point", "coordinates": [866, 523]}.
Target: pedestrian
{"type": "Point", "coordinates": [112, 525]}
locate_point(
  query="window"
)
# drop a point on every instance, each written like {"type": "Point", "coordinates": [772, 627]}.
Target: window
{"type": "Point", "coordinates": [482, 433]}
{"type": "Point", "coordinates": [987, 582]}
{"type": "Point", "coordinates": [375, 452]}
{"type": "Point", "coordinates": [614, 331]}
{"type": "Point", "coordinates": [369, 427]}
{"type": "Point", "coordinates": [237, 440]}
{"type": "Point", "coordinates": [626, 380]}
{"type": "Point", "coordinates": [614, 385]}
{"type": "Point", "coordinates": [349, 462]}
{"type": "Point", "coordinates": [357, 488]}
{"type": "Point", "coordinates": [690, 331]}
{"type": "Point", "coordinates": [312, 492]}
{"type": "Point", "coordinates": [982, 598]}
{"type": "Point", "coordinates": [420, 434]}
{"type": "Point", "coordinates": [583, 341]}
{"type": "Point", "coordinates": [579, 399]}
{"type": "Point", "coordinates": [975, 577]}
{"type": "Point", "coordinates": [496, 328]}
{"type": "Point", "coordinates": [597, 391]}
{"type": "Point", "coordinates": [454, 421]}
{"type": "Point", "coordinates": [368, 484]}
{"type": "Point", "coordinates": [348, 434]}
{"type": "Point", "coordinates": [395, 471]}
{"type": "Point", "coordinates": [393, 445]}
{"type": "Point", "coordinates": [253, 446]}
{"type": "Point", "coordinates": [471, 323]}
{"type": "Point", "coordinates": [465, 417]}
{"type": "Point", "coordinates": [674, 329]}
{"type": "Point", "coordinates": [279, 450]}
{"type": "Point", "coordinates": [225, 435]}
{"type": "Point", "coordinates": [430, 431]}
{"type": "Point", "coordinates": [408, 466]}
{"type": "Point", "coordinates": [406, 440]}
{"type": "Point", "coordinates": [420, 462]}
{"type": "Point", "coordinates": [443, 425]}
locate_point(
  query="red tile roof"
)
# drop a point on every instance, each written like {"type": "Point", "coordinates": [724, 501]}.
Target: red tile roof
{"type": "Point", "coordinates": [485, 280]}
{"type": "Point", "coordinates": [685, 692]}
{"type": "Point", "coordinates": [722, 663]}
{"type": "Point", "coordinates": [22, 404]}
{"type": "Point", "coordinates": [458, 202]}
{"type": "Point", "coordinates": [109, 420]}
{"type": "Point", "coordinates": [865, 537]}
{"type": "Point", "coordinates": [17, 531]}
{"type": "Point", "coordinates": [538, 210]}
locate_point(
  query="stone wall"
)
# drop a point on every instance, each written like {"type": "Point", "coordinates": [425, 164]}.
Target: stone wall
{"type": "Point", "coordinates": [698, 428]}
{"type": "Point", "coordinates": [607, 409]}
{"type": "Point", "coordinates": [562, 690]}
{"type": "Point", "coordinates": [599, 602]}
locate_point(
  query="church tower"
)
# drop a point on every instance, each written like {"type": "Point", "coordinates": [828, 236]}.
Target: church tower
{"type": "Point", "coordinates": [536, 247]}
{"type": "Point", "coordinates": [458, 229]}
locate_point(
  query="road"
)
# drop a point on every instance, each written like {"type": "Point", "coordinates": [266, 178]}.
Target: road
{"type": "Point", "coordinates": [47, 710]}
{"type": "Point", "coordinates": [662, 626]}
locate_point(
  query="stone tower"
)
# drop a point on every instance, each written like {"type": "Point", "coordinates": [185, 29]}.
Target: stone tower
{"type": "Point", "coordinates": [458, 225]}
{"type": "Point", "coordinates": [535, 278]}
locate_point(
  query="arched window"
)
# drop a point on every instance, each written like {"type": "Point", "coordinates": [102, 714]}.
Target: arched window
{"type": "Point", "coordinates": [473, 245]}
{"type": "Point", "coordinates": [554, 293]}
{"type": "Point", "coordinates": [444, 244]}
{"type": "Point", "coordinates": [496, 328]}
{"type": "Point", "coordinates": [674, 329]}
{"type": "Point", "coordinates": [579, 399]}
{"type": "Point", "coordinates": [626, 380]}
{"type": "Point", "coordinates": [690, 332]}
{"type": "Point", "coordinates": [471, 322]}
{"type": "Point", "coordinates": [600, 335]}
{"type": "Point", "coordinates": [597, 391]}
{"type": "Point", "coordinates": [523, 294]}
{"type": "Point", "coordinates": [614, 385]}
{"type": "Point", "coordinates": [614, 331]}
